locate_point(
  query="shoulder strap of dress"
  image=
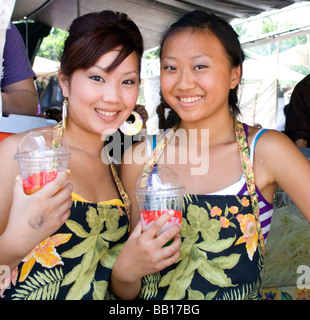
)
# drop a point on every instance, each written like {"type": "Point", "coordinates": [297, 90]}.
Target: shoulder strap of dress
{"type": "Point", "coordinates": [157, 152]}
{"type": "Point", "coordinates": [121, 189]}
{"type": "Point", "coordinates": [118, 183]}
{"type": "Point", "coordinates": [253, 144]}
{"type": "Point", "coordinates": [57, 134]}
{"type": "Point", "coordinates": [249, 175]}
{"type": "Point", "coordinates": [160, 147]}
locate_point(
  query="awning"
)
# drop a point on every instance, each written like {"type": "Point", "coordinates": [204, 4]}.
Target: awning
{"type": "Point", "coordinates": [152, 17]}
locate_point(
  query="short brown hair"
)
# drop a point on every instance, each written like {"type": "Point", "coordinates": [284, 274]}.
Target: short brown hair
{"type": "Point", "coordinates": [95, 34]}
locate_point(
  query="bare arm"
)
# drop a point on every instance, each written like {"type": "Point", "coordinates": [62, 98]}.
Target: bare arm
{"type": "Point", "coordinates": [20, 98]}
{"type": "Point", "coordinates": [278, 161]}
{"type": "Point", "coordinates": [143, 253]}
{"type": "Point", "coordinates": [50, 205]}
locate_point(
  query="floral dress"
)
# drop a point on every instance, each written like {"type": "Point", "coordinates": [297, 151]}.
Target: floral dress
{"type": "Point", "coordinates": [222, 244]}
{"type": "Point", "coordinates": [76, 261]}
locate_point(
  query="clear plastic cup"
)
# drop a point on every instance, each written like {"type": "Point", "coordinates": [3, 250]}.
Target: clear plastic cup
{"type": "Point", "coordinates": [40, 158]}
{"type": "Point", "coordinates": [160, 192]}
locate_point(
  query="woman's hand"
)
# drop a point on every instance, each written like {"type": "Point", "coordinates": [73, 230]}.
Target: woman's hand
{"type": "Point", "coordinates": [148, 252]}
{"type": "Point", "coordinates": [144, 253]}
{"type": "Point", "coordinates": [33, 218]}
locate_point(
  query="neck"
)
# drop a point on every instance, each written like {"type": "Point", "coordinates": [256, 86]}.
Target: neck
{"type": "Point", "coordinates": [220, 129]}
{"type": "Point", "coordinates": [79, 138]}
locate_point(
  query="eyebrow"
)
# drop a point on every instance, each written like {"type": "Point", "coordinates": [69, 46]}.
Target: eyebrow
{"type": "Point", "coordinates": [126, 73]}
{"type": "Point", "coordinates": [194, 57]}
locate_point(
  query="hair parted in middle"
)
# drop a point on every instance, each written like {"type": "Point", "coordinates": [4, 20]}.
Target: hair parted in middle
{"type": "Point", "coordinates": [95, 34]}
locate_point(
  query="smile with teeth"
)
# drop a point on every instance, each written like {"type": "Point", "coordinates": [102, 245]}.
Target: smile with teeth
{"type": "Point", "coordinates": [190, 99]}
{"type": "Point", "coordinates": [106, 113]}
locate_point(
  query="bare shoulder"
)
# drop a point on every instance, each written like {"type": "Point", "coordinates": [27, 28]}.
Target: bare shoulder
{"type": "Point", "coordinates": [8, 146]}
{"type": "Point", "coordinates": [13, 140]}
{"type": "Point", "coordinates": [278, 155]}
{"type": "Point", "coordinates": [273, 141]}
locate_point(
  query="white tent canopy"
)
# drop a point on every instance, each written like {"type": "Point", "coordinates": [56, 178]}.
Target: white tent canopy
{"type": "Point", "coordinates": [42, 66]}
{"type": "Point", "coordinates": [268, 68]}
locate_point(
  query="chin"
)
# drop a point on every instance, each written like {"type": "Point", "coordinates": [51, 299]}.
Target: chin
{"type": "Point", "coordinates": [108, 131]}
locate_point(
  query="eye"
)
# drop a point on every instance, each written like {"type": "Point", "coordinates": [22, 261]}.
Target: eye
{"type": "Point", "coordinates": [170, 68]}
{"type": "Point", "coordinates": [128, 82]}
{"type": "Point", "coordinates": [97, 78]}
{"type": "Point", "coordinates": [200, 67]}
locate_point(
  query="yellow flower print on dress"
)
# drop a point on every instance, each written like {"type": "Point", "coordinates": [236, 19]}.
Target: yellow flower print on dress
{"type": "Point", "coordinates": [224, 222]}
{"type": "Point", "coordinates": [45, 254]}
{"type": "Point", "coordinates": [233, 209]}
{"type": "Point", "coordinates": [245, 202]}
{"type": "Point", "coordinates": [250, 236]}
{"type": "Point", "coordinates": [215, 211]}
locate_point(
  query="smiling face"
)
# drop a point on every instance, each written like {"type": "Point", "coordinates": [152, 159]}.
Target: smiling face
{"type": "Point", "coordinates": [101, 101]}
{"type": "Point", "coordinates": [196, 75]}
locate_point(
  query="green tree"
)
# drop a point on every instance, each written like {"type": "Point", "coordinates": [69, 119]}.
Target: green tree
{"type": "Point", "coordinates": [52, 45]}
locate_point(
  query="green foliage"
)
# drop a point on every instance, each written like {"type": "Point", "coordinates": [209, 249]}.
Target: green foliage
{"type": "Point", "coordinates": [94, 249]}
{"type": "Point", "coordinates": [43, 286]}
{"type": "Point", "coordinates": [194, 257]}
{"type": "Point", "coordinates": [150, 285]}
{"type": "Point", "coordinates": [52, 45]}
{"type": "Point", "coordinates": [152, 54]}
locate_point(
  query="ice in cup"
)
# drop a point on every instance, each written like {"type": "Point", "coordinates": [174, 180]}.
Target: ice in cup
{"type": "Point", "coordinates": [159, 190]}
{"type": "Point", "coordinates": [41, 157]}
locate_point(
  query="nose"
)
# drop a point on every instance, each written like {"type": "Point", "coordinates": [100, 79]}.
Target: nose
{"type": "Point", "coordinates": [110, 93]}
{"type": "Point", "coordinates": [186, 80]}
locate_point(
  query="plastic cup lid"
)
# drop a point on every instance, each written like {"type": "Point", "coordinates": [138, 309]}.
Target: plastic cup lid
{"type": "Point", "coordinates": [158, 179]}
{"type": "Point", "coordinates": [41, 144]}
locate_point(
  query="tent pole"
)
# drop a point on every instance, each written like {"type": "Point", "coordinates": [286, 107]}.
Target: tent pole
{"type": "Point", "coordinates": [78, 7]}
{"type": "Point", "coordinates": [26, 34]}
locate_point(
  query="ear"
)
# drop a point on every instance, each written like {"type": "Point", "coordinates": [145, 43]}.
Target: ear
{"type": "Point", "coordinates": [64, 84]}
{"type": "Point", "coordinates": [235, 76]}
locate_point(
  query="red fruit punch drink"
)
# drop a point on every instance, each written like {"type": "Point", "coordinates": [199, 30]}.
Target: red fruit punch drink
{"type": "Point", "coordinates": [36, 181]}
{"type": "Point", "coordinates": [40, 159]}
{"type": "Point", "coordinates": [157, 192]}
{"type": "Point", "coordinates": [149, 216]}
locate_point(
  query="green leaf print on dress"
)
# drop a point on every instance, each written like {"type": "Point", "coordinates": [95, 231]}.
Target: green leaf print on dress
{"type": "Point", "coordinates": [94, 249]}
{"type": "Point", "coordinates": [42, 285]}
{"type": "Point", "coordinates": [194, 257]}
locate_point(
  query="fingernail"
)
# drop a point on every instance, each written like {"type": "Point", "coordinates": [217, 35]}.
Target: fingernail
{"type": "Point", "coordinates": [171, 212]}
